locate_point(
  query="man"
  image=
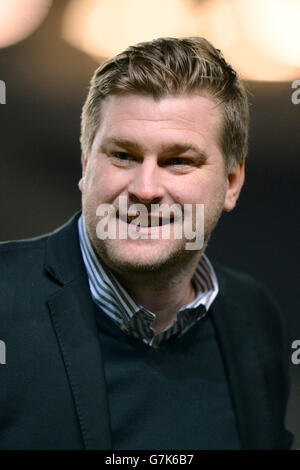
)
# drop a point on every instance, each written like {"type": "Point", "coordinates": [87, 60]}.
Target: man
{"type": "Point", "coordinates": [116, 336]}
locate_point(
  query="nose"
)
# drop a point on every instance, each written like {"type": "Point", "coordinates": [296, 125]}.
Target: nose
{"type": "Point", "coordinates": [146, 185]}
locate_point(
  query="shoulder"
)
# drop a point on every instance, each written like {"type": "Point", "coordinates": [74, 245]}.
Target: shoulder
{"type": "Point", "coordinates": [231, 276]}
{"type": "Point", "coordinates": [30, 263]}
{"type": "Point", "coordinates": [22, 272]}
{"type": "Point", "coordinates": [24, 244]}
{"type": "Point", "coordinates": [15, 253]}
{"type": "Point", "coordinates": [238, 285]}
{"type": "Point", "coordinates": [253, 306]}
{"type": "Point", "coordinates": [31, 251]}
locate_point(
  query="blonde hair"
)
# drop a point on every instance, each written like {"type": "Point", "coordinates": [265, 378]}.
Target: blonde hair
{"type": "Point", "coordinates": [173, 66]}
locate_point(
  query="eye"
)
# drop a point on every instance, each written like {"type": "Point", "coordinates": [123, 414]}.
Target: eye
{"type": "Point", "coordinates": [122, 156]}
{"type": "Point", "coordinates": [180, 161]}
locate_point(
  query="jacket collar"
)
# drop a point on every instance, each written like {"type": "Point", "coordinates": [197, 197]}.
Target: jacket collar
{"type": "Point", "coordinates": [63, 259]}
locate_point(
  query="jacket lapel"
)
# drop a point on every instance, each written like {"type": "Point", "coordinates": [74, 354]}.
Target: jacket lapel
{"type": "Point", "coordinates": [235, 335]}
{"type": "Point", "coordinates": [73, 315]}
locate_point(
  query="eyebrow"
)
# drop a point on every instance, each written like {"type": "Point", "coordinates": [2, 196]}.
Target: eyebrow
{"type": "Point", "coordinates": [174, 147]}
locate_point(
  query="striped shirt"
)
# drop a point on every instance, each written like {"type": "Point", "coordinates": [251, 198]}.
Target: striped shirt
{"type": "Point", "coordinates": [133, 318]}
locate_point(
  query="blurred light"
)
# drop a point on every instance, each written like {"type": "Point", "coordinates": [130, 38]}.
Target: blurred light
{"type": "Point", "coordinates": [274, 27]}
{"type": "Point", "coordinates": [220, 25]}
{"type": "Point", "coordinates": [260, 38]}
{"type": "Point", "coordinates": [19, 18]}
{"type": "Point", "coordinates": [103, 28]}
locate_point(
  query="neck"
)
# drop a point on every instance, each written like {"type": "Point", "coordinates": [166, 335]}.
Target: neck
{"type": "Point", "coordinates": [162, 295]}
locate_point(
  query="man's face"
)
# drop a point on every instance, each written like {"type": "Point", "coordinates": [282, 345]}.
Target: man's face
{"type": "Point", "coordinates": [156, 152]}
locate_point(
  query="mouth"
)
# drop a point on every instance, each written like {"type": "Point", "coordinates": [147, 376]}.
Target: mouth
{"type": "Point", "coordinates": [146, 220]}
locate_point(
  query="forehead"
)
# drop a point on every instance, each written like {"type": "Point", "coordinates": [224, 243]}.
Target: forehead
{"type": "Point", "coordinates": [135, 116]}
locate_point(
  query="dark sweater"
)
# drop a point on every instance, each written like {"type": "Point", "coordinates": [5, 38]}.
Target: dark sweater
{"type": "Point", "coordinates": [172, 397]}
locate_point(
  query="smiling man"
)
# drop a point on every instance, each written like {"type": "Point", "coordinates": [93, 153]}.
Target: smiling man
{"type": "Point", "coordinates": [162, 151]}
{"type": "Point", "coordinates": [132, 339]}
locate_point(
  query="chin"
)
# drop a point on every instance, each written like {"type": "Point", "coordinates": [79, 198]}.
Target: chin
{"type": "Point", "coordinates": [141, 257]}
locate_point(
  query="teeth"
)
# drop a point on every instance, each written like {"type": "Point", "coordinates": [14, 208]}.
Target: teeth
{"type": "Point", "coordinates": [139, 221]}
{"type": "Point", "coordinates": [143, 224]}
{"type": "Point", "coordinates": [148, 222]}
{"type": "Point", "coordinates": [145, 220]}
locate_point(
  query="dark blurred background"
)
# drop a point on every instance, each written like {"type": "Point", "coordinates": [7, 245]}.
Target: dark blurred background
{"type": "Point", "coordinates": [46, 83]}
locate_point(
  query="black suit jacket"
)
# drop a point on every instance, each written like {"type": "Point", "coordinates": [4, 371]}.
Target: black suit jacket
{"type": "Point", "coordinates": [52, 387]}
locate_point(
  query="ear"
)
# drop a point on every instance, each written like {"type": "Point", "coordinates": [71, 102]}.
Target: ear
{"type": "Point", "coordinates": [83, 165]}
{"type": "Point", "coordinates": [235, 181]}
